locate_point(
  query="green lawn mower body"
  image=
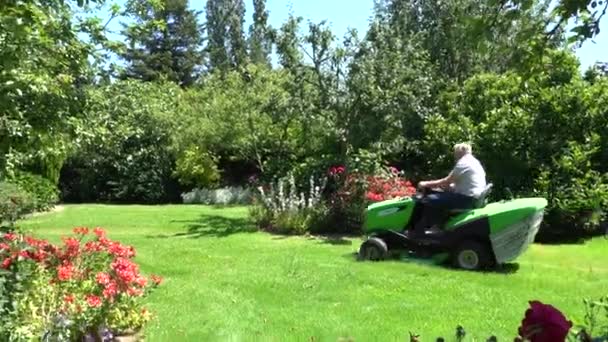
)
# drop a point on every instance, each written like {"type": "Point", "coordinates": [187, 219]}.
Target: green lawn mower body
{"type": "Point", "coordinates": [482, 237]}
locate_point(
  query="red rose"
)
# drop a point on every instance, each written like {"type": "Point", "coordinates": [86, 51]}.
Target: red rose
{"type": "Point", "coordinates": [544, 323]}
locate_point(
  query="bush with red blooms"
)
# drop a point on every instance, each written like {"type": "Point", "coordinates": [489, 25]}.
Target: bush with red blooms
{"type": "Point", "coordinates": [354, 191]}
{"type": "Point", "coordinates": [91, 282]}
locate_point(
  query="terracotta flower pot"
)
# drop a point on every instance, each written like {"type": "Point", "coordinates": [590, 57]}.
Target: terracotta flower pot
{"type": "Point", "coordinates": [128, 336]}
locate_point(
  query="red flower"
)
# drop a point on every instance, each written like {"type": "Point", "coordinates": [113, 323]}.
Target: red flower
{"type": "Point", "coordinates": [131, 291]}
{"type": "Point", "coordinates": [69, 299]}
{"type": "Point", "coordinates": [92, 246]}
{"type": "Point", "coordinates": [157, 279]}
{"type": "Point", "coordinates": [93, 301]}
{"type": "Point", "coordinates": [125, 269]}
{"type": "Point", "coordinates": [544, 323]}
{"type": "Point", "coordinates": [64, 272]}
{"type": "Point", "coordinates": [111, 290]}
{"type": "Point", "coordinates": [10, 236]}
{"type": "Point", "coordinates": [103, 278]}
{"type": "Point", "coordinates": [81, 231]}
{"type": "Point", "coordinates": [99, 232]}
{"type": "Point", "coordinates": [6, 263]}
{"type": "Point", "coordinates": [24, 254]}
{"type": "Point", "coordinates": [141, 281]}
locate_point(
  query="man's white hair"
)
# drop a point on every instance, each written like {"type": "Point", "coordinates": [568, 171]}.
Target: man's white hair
{"type": "Point", "coordinates": [463, 148]}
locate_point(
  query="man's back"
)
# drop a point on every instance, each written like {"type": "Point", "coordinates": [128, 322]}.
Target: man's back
{"type": "Point", "coordinates": [470, 176]}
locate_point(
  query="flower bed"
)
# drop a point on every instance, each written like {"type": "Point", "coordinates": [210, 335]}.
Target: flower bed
{"type": "Point", "coordinates": [88, 286]}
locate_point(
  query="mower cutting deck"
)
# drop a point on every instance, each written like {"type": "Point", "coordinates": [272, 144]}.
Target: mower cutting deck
{"type": "Point", "coordinates": [488, 235]}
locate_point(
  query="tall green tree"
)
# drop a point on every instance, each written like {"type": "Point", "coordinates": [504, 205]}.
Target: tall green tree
{"type": "Point", "coordinates": [227, 45]}
{"type": "Point", "coordinates": [166, 41]}
{"type": "Point", "coordinates": [260, 34]}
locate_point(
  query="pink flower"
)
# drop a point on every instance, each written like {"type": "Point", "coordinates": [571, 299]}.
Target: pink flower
{"type": "Point", "coordinates": [99, 232]}
{"type": "Point", "coordinates": [544, 323]}
{"type": "Point", "coordinates": [10, 236]}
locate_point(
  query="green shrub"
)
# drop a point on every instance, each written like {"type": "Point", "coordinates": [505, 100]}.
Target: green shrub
{"type": "Point", "coordinates": [14, 203]}
{"type": "Point", "coordinates": [196, 167]}
{"type": "Point", "coordinates": [42, 190]}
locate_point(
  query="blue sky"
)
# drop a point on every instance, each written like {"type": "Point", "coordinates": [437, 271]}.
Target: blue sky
{"type": "Point", "coordinates": [345, 14]}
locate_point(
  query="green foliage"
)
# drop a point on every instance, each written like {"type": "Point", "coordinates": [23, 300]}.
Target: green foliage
{"type": "Point", "coordinates": [43, 66]}
{"type": "Point", "coordinates": [44, 193]}
{"type": "Point", "coordinates": [536, 136]}
{"type": "Point", "coordinates": [15, 203]}
{"type": "Point", "coordinates": [126, 156]}
{"type": "Point", "coordinates": [165, 42]}
{"type": "Point", "coordinates": [197, 168]}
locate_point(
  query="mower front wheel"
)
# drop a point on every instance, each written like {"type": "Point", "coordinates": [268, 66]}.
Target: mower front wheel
{"type": "Point", "coordinates": [373, 249]}
{"type": "Point", "coordinates": [472, 255]}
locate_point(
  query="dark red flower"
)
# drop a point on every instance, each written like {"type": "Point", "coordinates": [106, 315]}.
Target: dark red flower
{"type": "Point", "coordinates": [544, 323]}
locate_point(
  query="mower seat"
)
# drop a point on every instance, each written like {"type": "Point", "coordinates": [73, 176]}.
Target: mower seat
{"type": "Point", "coordinates": [480, 202]}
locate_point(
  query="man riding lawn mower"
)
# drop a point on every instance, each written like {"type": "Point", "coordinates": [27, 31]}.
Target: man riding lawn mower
{"type": "Point", "coordinates": [450, 218]}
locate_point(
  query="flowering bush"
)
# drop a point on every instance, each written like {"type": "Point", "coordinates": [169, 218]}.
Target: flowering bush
{"type": "Point", "coordinates": [355, 191]}
{"type": "Point", "coordinates": [70, 290]}
{"type": "Point", "coordinates": [285, 208]}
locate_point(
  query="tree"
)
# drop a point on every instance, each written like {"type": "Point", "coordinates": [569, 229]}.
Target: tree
{"type": "Point", "coordinates": [165, 42]}
{"type": "Point", "coordinates": [260, 34]}
{"type": "Point", "coordinates": [227, 46]}
{"type": "Point", "coordinates": [44, 67]}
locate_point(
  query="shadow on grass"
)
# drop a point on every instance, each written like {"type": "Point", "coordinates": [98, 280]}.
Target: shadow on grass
{"type": "Point", "coordinates": [510, 268]}
{"type": "Point", "coordinates": [211, 225]}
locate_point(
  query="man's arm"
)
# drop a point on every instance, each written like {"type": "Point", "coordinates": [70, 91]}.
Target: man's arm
{"type": "Point", "coordinates": [439, 183]}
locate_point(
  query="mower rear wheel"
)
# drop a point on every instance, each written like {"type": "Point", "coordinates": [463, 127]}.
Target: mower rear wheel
{"type": "Point", "coordinates": [373, 249]}
{"type": "Point", "coordinates": [472, 255]}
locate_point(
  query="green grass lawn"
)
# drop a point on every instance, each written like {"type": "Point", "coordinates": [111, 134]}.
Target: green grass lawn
{"type": "Point", "coordinates": [223, 281]}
